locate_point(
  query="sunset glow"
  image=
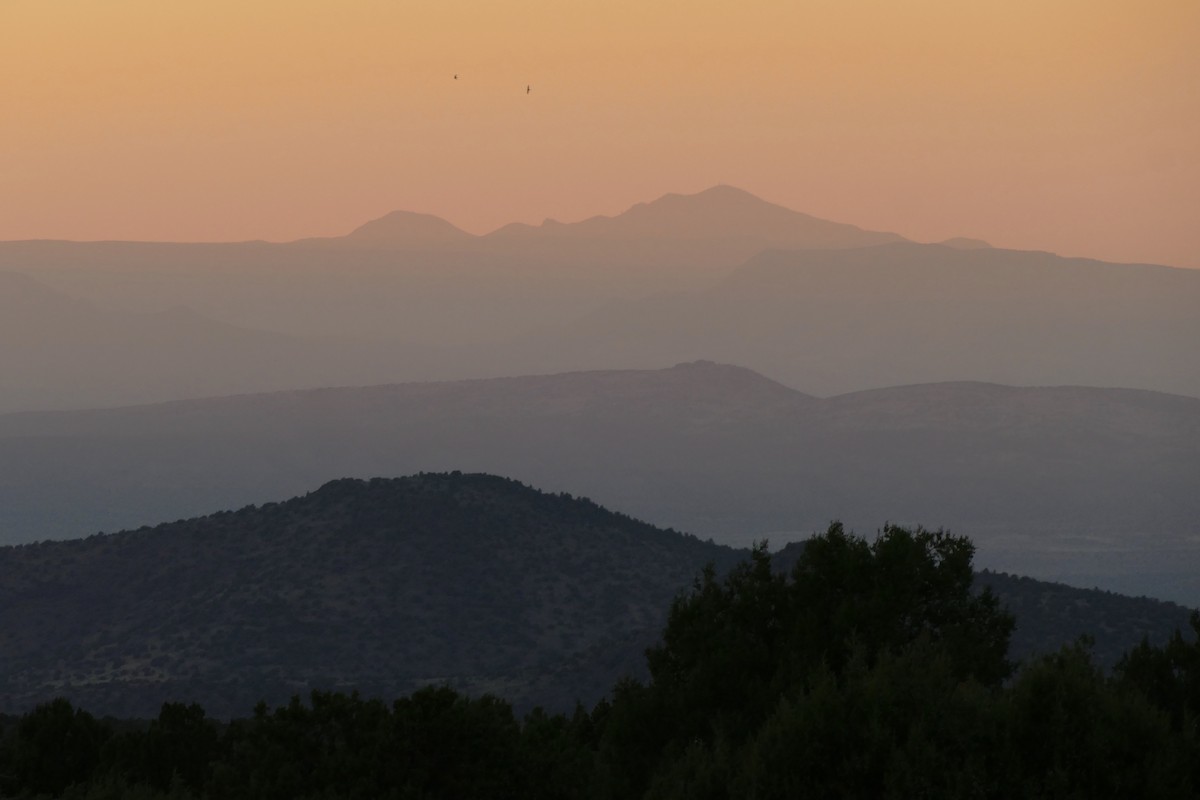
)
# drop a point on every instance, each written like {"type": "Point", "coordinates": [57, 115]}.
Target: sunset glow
{"type": "Point", "coordinates": [1069, 126]}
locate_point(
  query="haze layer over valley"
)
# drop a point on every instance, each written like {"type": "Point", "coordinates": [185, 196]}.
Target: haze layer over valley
{"type": "Point", "coordinates": [1090, 486]}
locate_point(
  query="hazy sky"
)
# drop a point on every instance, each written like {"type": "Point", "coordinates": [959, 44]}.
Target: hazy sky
{"type": "Point", "coordinates": [1068, 125]}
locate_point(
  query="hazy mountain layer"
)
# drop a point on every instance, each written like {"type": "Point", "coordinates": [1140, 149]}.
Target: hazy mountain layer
{"type": "Point", "coordinates": [1091, 486]}
{"type": "Point", "coordinates": [838, 321]}
{"type": "Point", "coordinates": [387, 585]}
{"type": "Point", "coordinates": [825, 307]}
{"type": "Point", "coordinates": [722, 213]}
{"type": "Point", "coordinates": [417, 278]}
{"type": "Point", "coordinates": [57, 351]}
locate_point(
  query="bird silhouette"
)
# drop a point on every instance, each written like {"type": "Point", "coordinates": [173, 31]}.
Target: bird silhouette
{"type": "Point", "coordinates": [456, 76]}
{"type": "Point", "coordinates": [526, 90]}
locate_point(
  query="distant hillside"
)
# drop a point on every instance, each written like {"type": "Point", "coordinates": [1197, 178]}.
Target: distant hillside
{"type": "Point", "coordinates": [1050, 612]}
{"type": "Point", "coordinates": [1096, 487]}
{"type": "Point", "coordinates": [383, 586]}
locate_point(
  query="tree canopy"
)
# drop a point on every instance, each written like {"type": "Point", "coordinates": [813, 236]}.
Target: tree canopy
{"type": "Point", "coordinates": [870, 669]}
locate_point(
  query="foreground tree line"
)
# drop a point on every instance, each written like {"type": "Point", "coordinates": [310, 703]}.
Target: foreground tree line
{"type": "Point", "coordinates": [870, 670]}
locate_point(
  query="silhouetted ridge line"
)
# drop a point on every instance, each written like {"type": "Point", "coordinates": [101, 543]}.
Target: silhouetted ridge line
{"type": "Point", "coordinates": [716, 213]}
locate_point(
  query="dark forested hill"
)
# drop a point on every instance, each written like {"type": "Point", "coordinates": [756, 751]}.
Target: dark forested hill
{"type": "Point", "coordinates": [386, 585]}
{"type": "Point", "coordinates": [1049, 612]}
{"type": "Point", "coordinates": [382, 585]}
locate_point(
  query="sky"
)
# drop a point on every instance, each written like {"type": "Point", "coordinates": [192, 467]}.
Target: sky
{"type": "Point", "coordinates": [1063, 125]}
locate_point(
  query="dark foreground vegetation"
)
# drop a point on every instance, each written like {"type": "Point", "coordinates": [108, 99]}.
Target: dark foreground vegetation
{"type": "Point", "coordinates": [870, 670]}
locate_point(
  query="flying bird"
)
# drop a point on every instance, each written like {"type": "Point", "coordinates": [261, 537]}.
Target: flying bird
{"type": "Point", "coordinates": [456, 76]}
{"type": "Point", "coordinates": [526, 90]}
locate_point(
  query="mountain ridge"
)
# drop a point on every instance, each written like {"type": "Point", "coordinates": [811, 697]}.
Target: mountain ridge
{"type": "Point", "coordinates": [721, 211]}
{"type": "Point", "coordinates": [704, 214]}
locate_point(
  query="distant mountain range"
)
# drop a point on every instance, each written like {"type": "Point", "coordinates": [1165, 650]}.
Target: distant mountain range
{"type": "Point", "coordinates": [723, 216]}
{"type": "Point", "coordinates": [720, 214]}
{"type": "Point", "coordinates": [387, 585]}
{"type": "Point", "coordinates": [1090, 486]}
{"type": "Point", "coordinates": [831, 321]}
{"type": "Point", "coordinates": [823, 306]}
{"type": "Point", "coordinates": [379, 280]}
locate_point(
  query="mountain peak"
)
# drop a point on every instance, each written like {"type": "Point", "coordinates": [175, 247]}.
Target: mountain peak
{"type": "Point", "coordinates": [721, 212]}
{"type": "Point", "coordinates": [400, 228]}
{"type": "Point", "coordinates": [720, 193]}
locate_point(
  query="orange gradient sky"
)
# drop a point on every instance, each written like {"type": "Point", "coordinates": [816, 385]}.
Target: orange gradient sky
{"type": "Point", "coordinates": [1066, 125]}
